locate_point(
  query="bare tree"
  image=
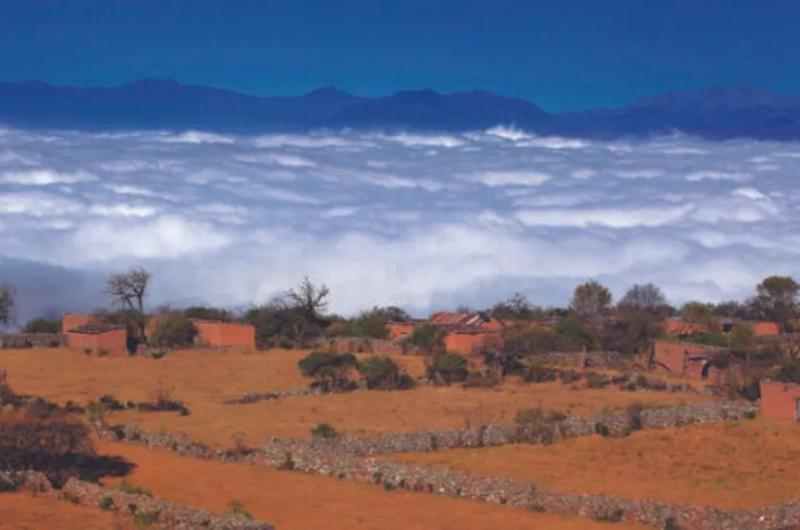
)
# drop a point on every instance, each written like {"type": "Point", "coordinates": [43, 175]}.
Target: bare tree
{"type": "Point", "coordinates": [130, 288]}
{"type": "Point", "coordinates": [7, 293]}
{"type": "Point", "coordinates": [644, 297]}
{"type": "Point", "coordinates": [310, 299]}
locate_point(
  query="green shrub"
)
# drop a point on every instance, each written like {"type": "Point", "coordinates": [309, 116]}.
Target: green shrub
{"type": "Point", "coordinates": [145, 519]}
{"type": "Point", "coordinates": [329, 370]}
{"type": "Point", "coordinates": [382, 373]}
{"type": "Point", "coordinates": [173, 330]}
{"type": "Point", "coordinates": [106, 502]}
{"type": "Point", "coordinates": [448, 368]}
{"type": "Point", "coordinates": [428, 338]}
{"type": "Point", "coordinates": [42, 325]}
{"type": "Point", "coordinates": [635, 416]}
{"type": "Point", "coordinates": [237, 508]}
{"type": "Point", "coordinates": [132, 489]}
{"type": "Point", "coordinates": [324, 430]}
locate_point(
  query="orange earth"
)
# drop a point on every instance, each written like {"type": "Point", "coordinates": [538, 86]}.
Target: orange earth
{"type": "Point", "coordinates": [295, 501]}
{"type": "Point", "coordinates": [22, 511]}
{"type": "Point", "coordinates": [203, 380]}
{"type": "Point", "coordinates": [732, 465]}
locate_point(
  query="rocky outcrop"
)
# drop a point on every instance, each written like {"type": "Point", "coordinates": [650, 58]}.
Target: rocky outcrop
{"type": "Point", "coordinates": [153, 511]}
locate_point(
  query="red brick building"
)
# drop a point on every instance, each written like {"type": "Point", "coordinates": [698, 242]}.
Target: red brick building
{"type": "Point", "coordinates": [780, 401]}
{"type": "Point", "coordinates": [400, 330]}
{"type": "Point", "coordinates": [684, 328]}
{"type": "Point", "coordinates": [98, 339]}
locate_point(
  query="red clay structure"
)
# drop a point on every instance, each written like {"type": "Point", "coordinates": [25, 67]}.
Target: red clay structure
{"type": "Point", "coordinates": [780, 401]}
{"type": "Point", "coordinates": [766, 329]}
{"type": "Point", "coordinates": [99, 339]}
{"type": "Point", "coordinates": [74, 320]}
{"type": "Point", "coordinates": [694, 361]}
{"type": "Point", "coordinates": [217, 334]}
{"type": "Point", "coordinates": [468, 333]}
{"type": "Point", "coordinates": [400, 330]}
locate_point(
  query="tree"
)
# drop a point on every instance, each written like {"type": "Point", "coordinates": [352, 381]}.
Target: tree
{"type": "Point", "coordinates": [448, 368]}
{"type": "Point", "coordinates": [42, 325]}
{"type": "Point", "coordinates": [520, 346]}
{"type": "Point", "coordinates": [644, 297]}
{"type": "Point", "coordinates": [310, 299]}
{"type": "Point", "coordinates": [382, 373]}
{"type": "Point", "coordinates": [129, 290]}
{"type": "Point", "coordinates": [590, 300]}
{"type": "Point", "coordinates": [427, 337]}
{"type": "Point", "coordinates": [515, 308]}
{"type": "Point", "coordinates": [777, 299]}
{"type": "Point", "coordinates": [329, 370]}
{"type": "Point", "coordinates": [572, 335]}
{"type": "Point", "coordinates": [7, 294]}
{"type": "Point", "coordinates": [697, 312]}
{"type": "Point", "coordinates": [631, 332]}
{"type": "Point", "coordinates": [173, 330]}
{"type": "Point", "coordinates": [208, 313]}
{"type": "Point", "coordinates": [742, 341]}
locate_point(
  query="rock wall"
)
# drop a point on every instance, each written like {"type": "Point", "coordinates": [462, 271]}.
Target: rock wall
{"type": "Point", "coordinates": [31, 340]}
{"type": "Point", "coordinates": [593, 359]}
{"type": "Point", "coordinates": [349, 458]}
{"type": "Point", "coordinates": [361, 345]}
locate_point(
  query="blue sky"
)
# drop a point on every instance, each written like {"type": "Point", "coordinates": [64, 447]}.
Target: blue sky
{"type": "Point", "coordinates": [559, 54]}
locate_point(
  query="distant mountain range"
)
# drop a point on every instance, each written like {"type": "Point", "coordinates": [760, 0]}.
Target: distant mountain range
{"type": "Point", "coordinates": [718, 112]}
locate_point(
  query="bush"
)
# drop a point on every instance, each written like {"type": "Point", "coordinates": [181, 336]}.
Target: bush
{"type": "Point", "coordinates": [132, 489]}
{"type": "Point", "coordinates": [42, 325]}
{"type": "Point", "coordinates": [597, 380]}
{"type": "Point", "coordinates": [208, 313]}
{"type": "Point", "coordinates": [448, 368]}
{"type": "Point", "coordinates": [329, 370]}
{"type": "Point", "coordinates": [482, 380]}
{"type": "Point", "coordinates": [382, 373]}
{"type": "Point", "coordinates": [106, 502]}
{"type": "Point", "coordinates": [325, 431]}
{"type": "Point", "coordinates": [54, 445]}
{"type": "Point", "coordinates": [428, 338]}
{"type": "Point", "coordinates": [173, 330]}
{"type": "Point", "coordinates": [635, 416]}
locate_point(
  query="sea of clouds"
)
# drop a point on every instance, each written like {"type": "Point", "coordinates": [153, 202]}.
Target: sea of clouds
{"type": "Point", "coordinates": [421, 221]}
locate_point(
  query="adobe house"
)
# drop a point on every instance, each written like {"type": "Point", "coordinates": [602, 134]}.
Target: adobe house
{"type": "Point", "coordinates": [780, 401]}
{"type": "Point", "coordinates": [684, 328]}
{"type": "Point", "coordinates": [694, 361]}
{"type": "Point", "coordinates": [98, 339]}
{"type": "Point", "coordinates": [467, 333]}
{"type": "Point", "coordinates": [219, 334]}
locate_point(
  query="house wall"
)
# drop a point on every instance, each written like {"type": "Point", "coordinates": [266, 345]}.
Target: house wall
{"type": "Point", "coordinates": [113, 341]}
{"type": "Point", "coordinates": [468, 343]}
{"type": "Point", "coordinates": [400, 330]}
{"type": "Point", "coordinates": [672, 356]}
{"type": "Point", "coordinates": [225, 334]}
{"type": "Point", "coordinates": [74, 320]}
{"type": "Point", "coordinates": [779, 400]}
{"type": "Point", "coordinates": [766, 329]}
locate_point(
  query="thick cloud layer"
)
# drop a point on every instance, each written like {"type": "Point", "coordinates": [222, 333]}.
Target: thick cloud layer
{"type": "Point", "coordinates": [424, 221]}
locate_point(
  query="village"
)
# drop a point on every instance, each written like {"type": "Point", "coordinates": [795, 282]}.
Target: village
{"type": "Point", "coordinates": [515, 414]}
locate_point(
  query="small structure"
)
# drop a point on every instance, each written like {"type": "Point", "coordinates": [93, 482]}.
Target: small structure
{"type": "Point", "coordinates": [98, 339]}
{"type": "Point", "coordinates": [220, 334]}
{"type": "Point", "coordinates": [780, 401]}
{"type": "Point", "coordinates": [683, 328]}
{"type": "Point", "coordinates": [468, 333]}
{"type": "Point", "coordinates": [684, 359]}
{"type": "Point", "coordinates": [766, 329]}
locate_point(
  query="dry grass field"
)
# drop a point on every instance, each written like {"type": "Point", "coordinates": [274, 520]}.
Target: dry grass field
{"type": "Point", "coordinates": [22, 511]}
{"type": "Point", "coordinates": [294, 501]}
{"type": "Point", "coordinates": [735, 465]}
{"type": "Point", "coordinates": [203, 380]}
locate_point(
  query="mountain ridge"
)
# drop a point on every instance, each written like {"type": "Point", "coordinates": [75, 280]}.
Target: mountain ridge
{"type": "Point", "coordinates": [718, 112]}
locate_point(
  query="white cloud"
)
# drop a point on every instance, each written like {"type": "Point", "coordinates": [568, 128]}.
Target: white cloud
{"type": "Point", "coordinates": [230, 219]}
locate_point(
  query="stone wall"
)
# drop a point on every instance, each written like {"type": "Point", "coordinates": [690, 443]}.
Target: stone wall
{"type": "Point", "coordinates": [594, 359]}
{"type": "Point", "coordinates": [153, 510]}
{"type": "Point", "coordinates": [31, 340]}
{"type": "Point", "coordinates": [361, 345]}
